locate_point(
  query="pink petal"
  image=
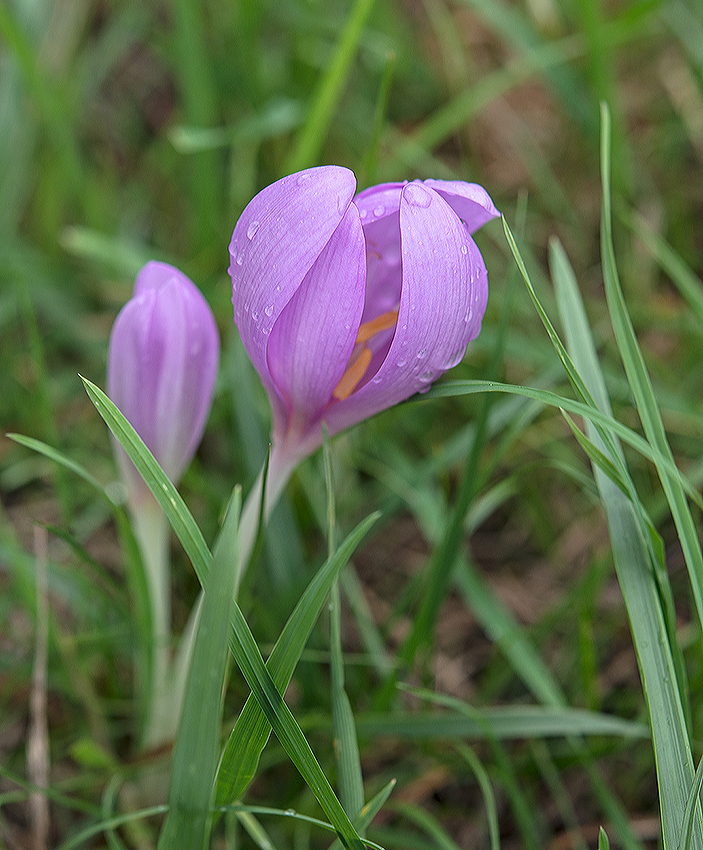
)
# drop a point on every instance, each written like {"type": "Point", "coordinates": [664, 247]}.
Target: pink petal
{"type": "Point", "coordinates": [310, 344]}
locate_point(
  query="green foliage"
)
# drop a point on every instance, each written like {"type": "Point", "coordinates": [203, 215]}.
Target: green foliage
{"type": "Point", "coordinates": [475, 680]}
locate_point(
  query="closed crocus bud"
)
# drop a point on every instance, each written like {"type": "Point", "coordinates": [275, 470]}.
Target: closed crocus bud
{"type": "Point", "coordinates": [162, 363]}
{"type": "Point", "coordinates": [349, 304]}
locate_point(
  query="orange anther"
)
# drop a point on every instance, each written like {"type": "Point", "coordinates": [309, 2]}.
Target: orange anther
{"type": "Point", "coordinates": [380, 323]}
{"type": "Point", "coordinates": [352, 376]}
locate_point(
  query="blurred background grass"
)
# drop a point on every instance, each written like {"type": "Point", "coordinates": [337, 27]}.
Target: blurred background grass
{"type": "Point", "coordinates": [130, 131]}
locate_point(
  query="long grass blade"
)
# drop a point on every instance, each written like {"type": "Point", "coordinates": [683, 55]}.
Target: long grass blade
{"type": "Point", "coordinates": [308, 145]}
{"type": "Point", "coordinates": [635, 570]}
{"type": "Point", "coordinates": [195, 754]}
{"type": "Point", "coordinates": [244, 649]}
{"type": "Point", "coordinates": [641, 385]}
{"type": "Point", "coordinates": [252, 730]}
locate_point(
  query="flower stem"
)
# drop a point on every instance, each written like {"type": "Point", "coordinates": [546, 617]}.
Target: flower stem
{"type": "Point", "coordinates": [151, 532]}
{"type": "Point", "coordinates": [280, 468]}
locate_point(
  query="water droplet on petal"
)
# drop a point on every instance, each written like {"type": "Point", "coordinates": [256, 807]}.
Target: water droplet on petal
{"type": "Point", "coordinates": [254, 316]}
{"type": "Point", "coordinates": [378, 212]}
{"type": "Point", "coordinates": [240, 259]}
{"type": "Point", "coordinates": [426, 377]}
{"type": "Point", "coordinates": [421, 354]}
{"type": "Point", "coordinates": [455, 358]}
{"type": "Point", "coordinates": [363, 214]}
{"type": "Point", "coordinates": [417, 195]}
{"type": "Point", "coordinates": [464, 249]}
{"type": "Point", "coordinates": [376, 379]}
{"type": "Point", "coordinates": [268, 309]}
{"type": "Point", "coordinates": [303, 178]}
{"type": "Point", "coordinates": [251, 230]}
{"type": "Point", "coordinates": [401, 362]}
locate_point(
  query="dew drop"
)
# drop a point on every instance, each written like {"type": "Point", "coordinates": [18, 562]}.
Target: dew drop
{"type": "Point", "coordinates": [278, 287]}
{"type": "Point", "coordinates": [401, 362]}
{"type": "Point", "coordinates": [376, 379]}
{"type": "Point", "coordinates": [426, 377]}
{"type": "Point", "coordinates": [363, 214]}
{"type": "Point", "coordinates": [268, 309]}
{"type": "Point", "coordinates": [455, 358]}
{"type": "Point", "coordinates": [464, 249]}
{"type": "Point", "coordinates": [467, 317]}
{"type": "Point", "coordinates": [417, 195]}
{"type": "Point", "coordinates": [379, 210]}
{"type": "Point", "coordinates": [421, 354]}
{"type": "Point", "coordinates": [303, 178]}
{"type": "Point", "coordinates": [251, 230]}
{"type": "Point", "coordinates": [254, 316]}
{"type": "Point", "coordinates": [240, 259]}
{"type": "Point", "coordinates": [246, 308]}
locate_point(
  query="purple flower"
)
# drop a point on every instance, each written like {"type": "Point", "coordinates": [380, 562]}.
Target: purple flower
{"type": "Point", "coordinates": [349, 304]}
{"type": "Point", "coordinates": [162, 362]}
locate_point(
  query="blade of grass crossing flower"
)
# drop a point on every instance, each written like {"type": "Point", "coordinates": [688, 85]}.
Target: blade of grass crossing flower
{"type": "Point", "coordinates": [346, 745]}
{"type": "Point", "coordinates": [632, 553]}
{"type": "Point", "coordinates": [252, 729]}
{"type": "Point", "coordinates": [182, 522]}
{"type": "Point", "coordinates": [308, 145]}
{"type": "Point", "coordinates": [195, 754]}
{"type": "Point", "coordinates": [246, 652]}
{"type": "Point", "coordinates": [640, 383]}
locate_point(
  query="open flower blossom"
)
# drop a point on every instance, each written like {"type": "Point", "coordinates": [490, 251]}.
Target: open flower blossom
{"type": "Point", "coordinates": [349, 304]}
{"type": "Point", "coordinates": [163, 356]}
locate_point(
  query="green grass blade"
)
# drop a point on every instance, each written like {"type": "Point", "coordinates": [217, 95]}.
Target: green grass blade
{"type": "Point", "coordinates": [182, 522]}
{"type": "Point", "coordinates": [346, 744]}
{"type": "Point", "coordinates": [592, 414]}
{"type": "Point", "coordinates": [635, 570]}
{"type": "Point", "coordinates": [692, 804]}
{"type": "Point", "coordinates": [489, 800]}
{"type": "Point", "coordinates": [252, 730]}
{"type": "Point", "coordinates": [60, 458]}
{"type": "Point", "coordinates": [246, 652]}
{"type": "Point", "coordinates": [641, 385]}
{"type": "Point", "coordinates": [195, 754]}
{"type": "Point", "coordinates": [308, 145]}
{"type": "Point", "coordinates": [509, 722]}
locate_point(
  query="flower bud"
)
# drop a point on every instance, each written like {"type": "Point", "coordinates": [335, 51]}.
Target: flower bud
{"type": "Point", "coordinates": [162, 363]}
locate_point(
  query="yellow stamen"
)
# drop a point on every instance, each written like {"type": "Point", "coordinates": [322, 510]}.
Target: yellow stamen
{"type": "Point", "coordinates": [352, 376]}
{"type": "Point", "coordinates": [380, 323]}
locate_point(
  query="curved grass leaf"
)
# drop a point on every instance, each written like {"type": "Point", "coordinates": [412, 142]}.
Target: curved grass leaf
{"type": "Point", "coordinates": [252, 730]}
{"type": "Point", "coordinates": [195, 754]}
{"type": "Point", "coordinates": [244, 649]}
{"type": "Point", "coordinates": [592, 414]}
